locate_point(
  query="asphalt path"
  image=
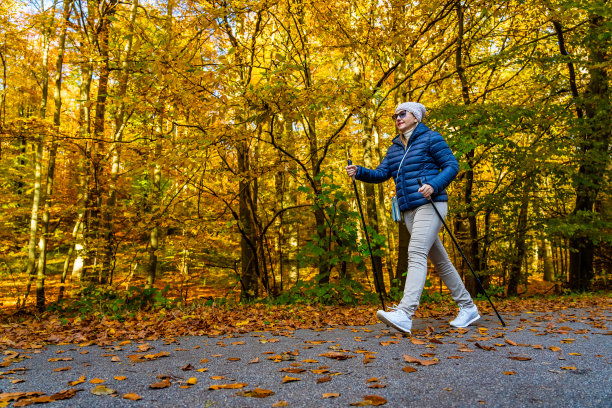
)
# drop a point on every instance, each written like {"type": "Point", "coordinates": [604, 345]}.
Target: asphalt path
{"type": "Point", "coordinates": [556, 359]}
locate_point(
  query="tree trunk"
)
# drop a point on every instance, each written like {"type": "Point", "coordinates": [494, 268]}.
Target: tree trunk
{"type": "Point", "coordinates": [519, 244]}
{"type": "Point", "coordinates": [547, 266]}
{"type": "Point", "coordinates": [97, 193]}
{"type": "Point", "coordinates": [81, 246]}
{"type": "Point", "coordinates": [473, 253]}
{"type": "Point", "coordinates": [57, 96]}
{"type": "Point", "coordinates": [593, 154]}
{"type": "Point", "coordinates": [115, 148]}
{"type": "Point", "coordinates": [249, 258]}
{"type": "Point", "coordinates": [156, 205]}
{"type": "Point", "coordinates": [37, 193]}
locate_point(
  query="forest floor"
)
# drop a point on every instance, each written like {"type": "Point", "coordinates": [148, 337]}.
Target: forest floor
{"type": "Point", "coordinates": [553, 352]}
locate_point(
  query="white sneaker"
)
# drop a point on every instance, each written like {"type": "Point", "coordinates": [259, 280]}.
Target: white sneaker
{"type": "Point", "coordinates": [466, 317]}
{"type": "Point", "coordinates": [396, 318]}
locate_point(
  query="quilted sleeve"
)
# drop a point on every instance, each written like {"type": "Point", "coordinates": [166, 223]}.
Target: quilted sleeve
{"type": "Point", "coordinates": [377, 175]}
{"type": "Point", "coordinates": [445, 159]}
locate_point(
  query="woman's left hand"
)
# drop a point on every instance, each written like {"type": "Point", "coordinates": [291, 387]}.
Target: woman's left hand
{"type": "Point", "coordinates": [426, 190]}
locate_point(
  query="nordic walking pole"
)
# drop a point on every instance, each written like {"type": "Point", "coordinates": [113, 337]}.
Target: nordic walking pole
{"type": "Point", "coordinates": [365, 230]}
{"type": "Point", "coordinates": [464, 258]}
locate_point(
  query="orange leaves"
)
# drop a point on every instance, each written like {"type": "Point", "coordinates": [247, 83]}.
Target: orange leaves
{"type": "Point", "coordinates": [287, 379]}
{"type": "Point", "coordinates": [132, 397]}
{"type": "Point", "coordinates": [292, 370]}
{"type": "Point", "coordinates": [26, 398]}
{"type": "Point", "coordinates": [336, 355]}
{"type": "Point", "coordinates": [256, 393]}
{"type": "Point", "coordinates": [164, 383]}
{"type": "Point", "coordinates": [410, 359]}
{"type": "Point", "coordinates": [519, 358]}
{"type": "Point", "coordinates": [138, 358]}
{"type": "Point", "coordinates": [370, 400]}
{"type": "Point", "coordinates": [233, 386]}
{"type": "Point", "coordinates": [484, 347]}
{"type": "Point", "coordinates": [77, 382]}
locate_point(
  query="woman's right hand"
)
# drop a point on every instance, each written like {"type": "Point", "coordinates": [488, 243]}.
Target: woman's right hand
{"type": "Point", "coordinates": [351, 170]}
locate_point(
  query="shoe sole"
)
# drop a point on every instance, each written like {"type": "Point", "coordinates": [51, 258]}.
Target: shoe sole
{"type": "Point", "coordinates": [391, 324]}
{"type": "Point", "coordinates": [468, 323]}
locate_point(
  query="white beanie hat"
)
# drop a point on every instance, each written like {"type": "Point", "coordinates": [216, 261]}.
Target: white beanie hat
{"type": "Point", "coordinates": [417, 109]}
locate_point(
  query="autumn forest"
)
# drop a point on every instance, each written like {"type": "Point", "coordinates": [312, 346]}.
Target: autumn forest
{"type": "Point", "coordinates": [195, 150]}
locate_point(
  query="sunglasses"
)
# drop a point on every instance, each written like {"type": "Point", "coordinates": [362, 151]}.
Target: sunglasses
{"type": "Point", "coordinates": [401, 115]}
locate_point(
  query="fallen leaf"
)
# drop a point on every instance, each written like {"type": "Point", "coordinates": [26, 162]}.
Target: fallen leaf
{"type": "Point", "coordinates": [233, 359]}
{"type": "Point", "coordinates": [132, 397]}
{"type": "Point", "coordinates": [217, 377]}
{"type": "Point", "coordinates": [510, 342]}
{"type": "Point", "coordinates": [509, 372]}
{"type": "Point", "coordinates": [519, 358]}
{"type": "Point", "coordinates": [368, 400]}
{"type": "Point", "coordinates": [377, 386]}
{"type": "Point", "coordinates": [555, 348]}
{"type": "Point", "coordinates": [81, 380]}
{"type": "Point", "coordinates": [410, 359]}
{"type": "Point", "coordinates": [323, 379]}
{"type": "Point", "coordinates": [144, 347]}
{"type": "Point", "coordinates": [256, 393]}
{"type": "Point", "coordinates": [483, 347]}
{"type": "Point", "coordinates": [292, 370]}
{"type": "Point", "coordinates": [409, 369]}
{"type": "Point", "coordinates": [60, 359]}
{"type": "Point", "coordinates": [62, 369]}
{"type": "Point", "coordinates": [120, 378]}
{"type": "Point", "coordinates": [254, 361]}
{"type": "Point", "coordinates": [336, 355]}
{"type": "Point", "coordinates": [159, 385]}
{"type": "Point", "coordinates": [331, 395]}
{"type": "Point", "coordinates": [96, 381]}
{"type": "Point", "coordinates": [281, 403]}
{"type": "Point", "coordinates": [188, 367]}
{"type": "Point", "coordinates": [308, 360]}
{"type": "Point", "coordinates": [65, 394]}
{"type": "Point", "coordinates": [388, 343]}
{"type": "Point", "coordinates": [204, 360]}
{"type": "Point", "coordinates": [571, 368]}
{"type": "Point", "coordinates": [574, 354]}
{"type": "Point", "coordinates": [233, 386]}
{"type": "Point", "coordinates": [192, 381]}
{"type": "Point", "coordinates": [416, 341]}
{"type": "Point", "coordinates": [455, 357]}
{"type": "Point", "coordinates": [287, 379]}
{"type": "Point", "coordinates": [102, 390]}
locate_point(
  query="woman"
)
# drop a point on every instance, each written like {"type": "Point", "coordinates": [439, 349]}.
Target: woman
{"type": "Point", "coordinates": [420, 153]}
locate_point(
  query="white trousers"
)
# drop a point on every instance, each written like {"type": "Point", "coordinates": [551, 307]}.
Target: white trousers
{"type": "Point", "coordinates": [424, 224]}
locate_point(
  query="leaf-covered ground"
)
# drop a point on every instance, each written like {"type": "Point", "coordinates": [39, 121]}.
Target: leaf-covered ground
{"type": "Point", "coordinates": [30, 330]}
{"type": "Point", "coordinates": [262, 356]}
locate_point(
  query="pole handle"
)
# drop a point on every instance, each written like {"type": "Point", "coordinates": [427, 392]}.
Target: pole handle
{"type": "Point", "coordinates": [350, 162]}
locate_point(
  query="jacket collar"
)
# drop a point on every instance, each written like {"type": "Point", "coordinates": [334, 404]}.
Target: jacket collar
{"type": "Point", "coordinates": [418, 131]}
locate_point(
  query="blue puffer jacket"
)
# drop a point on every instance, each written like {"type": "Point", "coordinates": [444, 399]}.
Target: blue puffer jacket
{"type": "Point", "coordinates": [428, 158]}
